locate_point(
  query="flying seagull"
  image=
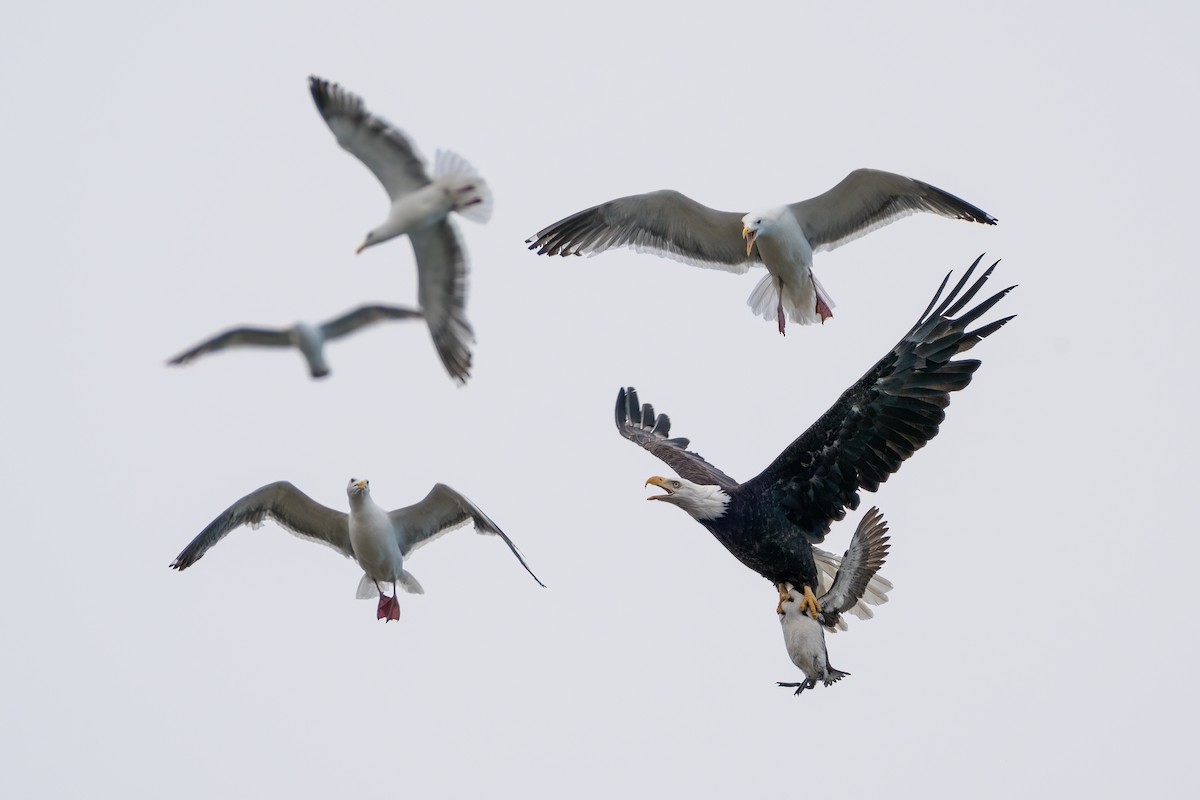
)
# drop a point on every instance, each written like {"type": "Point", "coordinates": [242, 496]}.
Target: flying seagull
{"type": "Point", "coordinates": [308, 339]}
{"type": "Point", "coordinates": [378, 540]}
{"type": "Point", "coordinates": [805, 636]}
{"type": "Point", "coordinates": [771, 522]}
{"type": "Point", "coordinates": [783, 239]}
{"type": "Point", "coordinates": [420, 207]}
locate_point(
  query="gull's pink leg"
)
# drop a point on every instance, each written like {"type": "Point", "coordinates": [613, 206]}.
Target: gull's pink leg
{"type": "Point", "coordinates": [779, 309]}
{"type": "Point", "coordinates": [384, 607]}
{"type": "Point", "coordinates": [825, 311]}
{"type": "Point", "coordinates": [394, 611]}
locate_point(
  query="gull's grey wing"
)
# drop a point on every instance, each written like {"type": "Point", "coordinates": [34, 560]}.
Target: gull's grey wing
{"type": "Point", "coordinates": [875, 594]}
{"type": "Point", "coordinates": [236, 337]}
{"type": "Point", "coordinates": [640, 425]}
{"type": "Point", "coordinates": [384, 148]}
{"type": "Point", "coordinates": [665, 223]}
{"type": "Point", "coordinates": [885, 417]}
{"type": "Point", "coordinates": [442, 293]}
{"type": "Point", "coordinates": [866, 554]}
{"type": "Point", "coordinates": [364, 315]}
{"type": "Point", "coordinates": [442, 511]}
{"type": "Point", "coordinates": [867, 199]}
{"type": "Point", "coordinates": [295, 511]}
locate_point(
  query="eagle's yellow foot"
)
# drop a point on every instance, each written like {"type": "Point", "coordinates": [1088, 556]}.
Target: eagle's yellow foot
{"type": "Point", "coordinates": [809, 603]}
{"type": "Point", "coordinates": [784, 594]}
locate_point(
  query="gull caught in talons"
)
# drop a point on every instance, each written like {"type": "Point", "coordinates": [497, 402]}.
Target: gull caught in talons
{"type": "Point", "coordinates": [420, 207]}
{"type": "Point", "coordinates": [379, 540]}
{"type": "Point", "coordinates": [804, 634]}
{"type": "Point", "coordinates": [783, 239]}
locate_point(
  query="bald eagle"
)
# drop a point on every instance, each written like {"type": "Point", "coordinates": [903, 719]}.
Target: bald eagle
{"type": "Point", "coordinates": [771, 522]}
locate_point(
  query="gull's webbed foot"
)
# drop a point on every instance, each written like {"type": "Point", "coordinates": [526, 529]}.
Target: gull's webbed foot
{"type": "Point", "coordinates": [800, 687]}
{"type": "Point", "coordinates": [389, 608]}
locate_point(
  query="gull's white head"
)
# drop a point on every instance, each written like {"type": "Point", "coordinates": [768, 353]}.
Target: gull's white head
{"type": "Point", "coordinates": [358, 487]}
{"type": "Point", "coordinates": [701, 501]}
{"type": "Point", "coordinates": [759, 223]}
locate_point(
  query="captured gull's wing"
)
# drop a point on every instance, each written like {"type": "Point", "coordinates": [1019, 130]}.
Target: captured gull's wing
{"type": "Point", "coordinates": [291, 508]}
{"type": "Point", "coordinates": [643, 427]}
{"type": "Point", "coordinates": [364, 315]}
{"type": "Point", "coordinates": [874, 595]}
{"type": "Point", "coordinates": [237, 337]}
{"type": "Point", "coordinates": [442, 511]}
{"type": "Point", "coordinates": [867, 199]}
{"type": "Point", "coordinates": [442, 294]}
{"type": "Point", "coordinates": [385, 149]}
{"type": "Point", "coordinates": [665, 223]}
{"type": "Point", "coordinates": [866, 554]}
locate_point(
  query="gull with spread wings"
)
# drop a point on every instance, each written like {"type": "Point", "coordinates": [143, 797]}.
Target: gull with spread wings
{"type": "Point", "coordinates": [783, 239]}
{"type": "Point", "coordinates": [379, 540]}
{"type": "Point", "coordinates": [420, 207]}
{"type": "Point", "coordinates": [308, 339]}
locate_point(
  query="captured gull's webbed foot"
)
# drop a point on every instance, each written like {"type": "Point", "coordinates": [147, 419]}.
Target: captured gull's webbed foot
{"type": "Point", "coordinates": [801, 686]}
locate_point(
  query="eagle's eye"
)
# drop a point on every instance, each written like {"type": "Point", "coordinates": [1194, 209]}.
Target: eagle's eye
{"type": "Point", "coordinates": [676, 484]}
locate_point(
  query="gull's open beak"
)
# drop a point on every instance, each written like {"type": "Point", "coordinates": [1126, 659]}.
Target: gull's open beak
{"type": "Point", "coordinates": [360, 484]}
{"type": "Point", "coordinates": [661, 483]}
{"type": "Point", "coordinates": [361, 247]}
{"type": "Point", "coordinates": [749, 236]}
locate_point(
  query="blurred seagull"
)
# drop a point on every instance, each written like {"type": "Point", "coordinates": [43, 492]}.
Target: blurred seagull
{"type": "Point", "coordinates": [783, 239]}
{"type": "Point", "coordinates": [378, 540]}
{"type": "Point", "coordinates": [308, 339]}
{"type": "Point", "coordinates": [420, 207]}
{"type": "Point", "coordinates": [803, 635]}
{"type": "Point", "coordinates": [771, 522]}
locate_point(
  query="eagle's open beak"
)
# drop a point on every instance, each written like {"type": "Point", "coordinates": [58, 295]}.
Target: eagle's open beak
{"type": "Point", "coordinates": [749, 236]}
{"type": "Point", "coordinates": [661, 483]}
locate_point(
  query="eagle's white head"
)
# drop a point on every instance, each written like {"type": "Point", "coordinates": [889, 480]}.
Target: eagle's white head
{"type": "Point", "coordinates": [700, 500]}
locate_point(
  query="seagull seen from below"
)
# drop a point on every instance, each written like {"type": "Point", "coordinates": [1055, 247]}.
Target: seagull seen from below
{"type": "Point", "coordinates": [308, 339]}
{"type": "Point", "coordinates": [771, 522]}
{"type": "Point", "coordinates": [803, 635]}
{"type": "Point", "coordinates": [783, 239]}
{"type": "Point", "coordinates": [377, 539]}
{"type": "Point", "coordinates": [420, 207]}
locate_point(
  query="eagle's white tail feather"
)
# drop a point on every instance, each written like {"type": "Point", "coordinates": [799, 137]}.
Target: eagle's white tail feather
{"type": "Point", "coordinates": [473, 196]}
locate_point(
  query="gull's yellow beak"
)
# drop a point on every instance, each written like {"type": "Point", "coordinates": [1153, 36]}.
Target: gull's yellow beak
{"type": "Point", "coordinates": [661, 483]}
{"type": "Point", "coordinates": [749, 236]}
{"type": "Point", "coordinates": [360, 484]}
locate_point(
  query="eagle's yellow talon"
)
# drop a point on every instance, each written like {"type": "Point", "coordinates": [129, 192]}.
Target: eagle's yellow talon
{"type": "Point", "coordinates": [784, 594]}
{"type": "Point", "coordinates": [809, 603]}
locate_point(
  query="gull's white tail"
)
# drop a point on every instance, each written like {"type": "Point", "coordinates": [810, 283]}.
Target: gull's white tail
{"type": "Point", "coordinates": [473, 198]}
{"type": "Point", "coordinates": [801, 307]}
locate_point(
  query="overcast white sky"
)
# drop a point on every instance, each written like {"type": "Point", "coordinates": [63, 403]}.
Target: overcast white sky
{"type": "Point", "coordinates": [166, 176]}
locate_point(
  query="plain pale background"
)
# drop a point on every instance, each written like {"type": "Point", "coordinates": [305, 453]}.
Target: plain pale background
{"type": "Point", "coordinates": [166, 176]}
